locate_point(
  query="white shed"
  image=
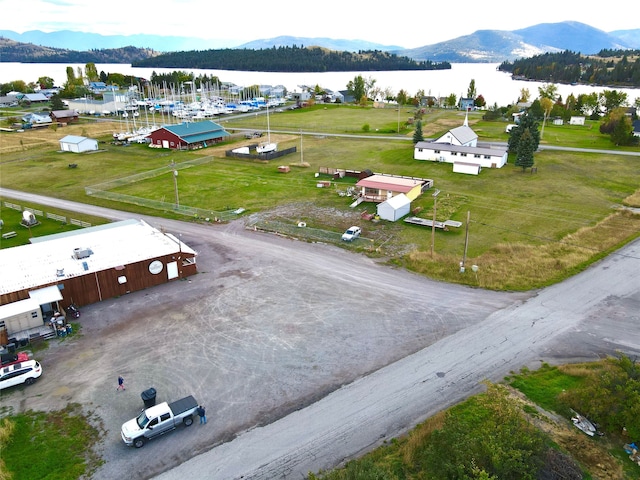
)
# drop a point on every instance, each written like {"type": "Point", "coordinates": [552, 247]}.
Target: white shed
{"type": "Point", "coordinates": [21, 315]}
{"type": "Point", "coordinates": [76, 144]}
{"type": "Point", "coordinates": [576, 121]}
{"type": "Point", "coordinates": [395, 208]}
{"type": "Point", "coordinates": [466, 167]}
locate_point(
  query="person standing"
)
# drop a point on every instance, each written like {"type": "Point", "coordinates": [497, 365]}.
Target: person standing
{"type": "Point", "coordinates": [202, 414]}
{"type": "Point", "coordinates": [120, 383]}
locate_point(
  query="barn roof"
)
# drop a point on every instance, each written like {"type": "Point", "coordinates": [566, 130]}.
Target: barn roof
{"type": "Point", "coordinates": [52, 258]}
{"type": "Point", "coordinates": [193, 132]}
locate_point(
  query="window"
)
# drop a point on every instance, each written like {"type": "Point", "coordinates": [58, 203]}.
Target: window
{"type": "Point", "coordinates": [454, 154]}
{"type": "Point", "coordinates": [487, 157]}
{"type": "Point", "coordinates": [476, 155]}
{"type": "Point", "coordinates": [436, 151]}
{"type": "Point", "coordinates": [165, 416]}
{"type": "Point", "coordinates": [463, 154]}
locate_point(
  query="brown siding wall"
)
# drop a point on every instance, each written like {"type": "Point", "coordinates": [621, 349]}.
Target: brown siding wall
{"type": "Point", "coordinates": [97, 286]}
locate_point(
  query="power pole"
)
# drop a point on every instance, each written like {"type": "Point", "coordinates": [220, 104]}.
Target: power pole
{"type": "Point", "coordinates": [466, 242]}
{"type": "Point", "coordinates": [433, 223]}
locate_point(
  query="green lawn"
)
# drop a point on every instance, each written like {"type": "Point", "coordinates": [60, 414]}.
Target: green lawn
{"type": "Point", "coordinates": [531, 213]}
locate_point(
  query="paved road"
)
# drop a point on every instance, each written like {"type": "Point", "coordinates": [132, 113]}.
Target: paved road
{"type": "Point", "coordinates": [596, 312]}
{"type": "Point", "coordinates": [315, 355]}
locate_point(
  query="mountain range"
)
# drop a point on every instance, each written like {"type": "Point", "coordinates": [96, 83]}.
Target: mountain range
{"type": "Point", "coordinates": [488, 46]}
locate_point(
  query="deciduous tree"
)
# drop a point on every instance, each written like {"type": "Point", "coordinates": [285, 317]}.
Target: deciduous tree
{"type": "Point", "coordinates": [356, 88]}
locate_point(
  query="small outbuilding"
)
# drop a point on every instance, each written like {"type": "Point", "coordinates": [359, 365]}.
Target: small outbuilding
{"type": "Point", "coordinates": [467, 167]}
{"type": "Point", "coordinates": [576, 121]}
{"type": "Point", "coordinates": [395, 208]}
{"type": "Point", "coordinates": [76, 144]}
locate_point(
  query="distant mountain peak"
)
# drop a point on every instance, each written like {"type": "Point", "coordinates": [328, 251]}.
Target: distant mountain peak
{"type": "Point", "coordinates": [489, 46]}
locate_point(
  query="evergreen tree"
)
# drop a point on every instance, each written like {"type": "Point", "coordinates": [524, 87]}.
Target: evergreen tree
{"type": "Point", "coordinates": [56, 103]}
{"type": "Point", "coordinates": [417, 133]}
{"type": "Point", "coordinates": [526, 122]}
{"type": "Point", "coordinates": [524, 153]}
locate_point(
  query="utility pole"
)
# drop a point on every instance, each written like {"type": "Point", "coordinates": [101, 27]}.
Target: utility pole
{"type": "Point", "coordinates": [466, 242]}
{"type": "Point", "coordinates": [433, 223]}
{"type": "Point", "coordinates": [175, 184]}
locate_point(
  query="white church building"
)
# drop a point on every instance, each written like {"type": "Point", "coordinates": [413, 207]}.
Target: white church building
{"type": "Point", "coordinates": [459, 146]}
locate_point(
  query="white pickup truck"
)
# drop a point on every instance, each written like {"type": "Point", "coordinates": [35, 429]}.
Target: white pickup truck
{"type": "Point", "coordinates": [158, 420]}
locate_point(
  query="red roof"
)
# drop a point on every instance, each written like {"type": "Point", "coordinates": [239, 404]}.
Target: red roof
{"type": "Point", "coordinates": [395, 184]}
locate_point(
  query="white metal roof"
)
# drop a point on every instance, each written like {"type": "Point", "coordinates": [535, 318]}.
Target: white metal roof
{"type": "Point", "coordinates": [16, 308]}
{"type": "Point", "coordinates": [46, 295]}
{"type": "Point", "coordinates": [52, 258]}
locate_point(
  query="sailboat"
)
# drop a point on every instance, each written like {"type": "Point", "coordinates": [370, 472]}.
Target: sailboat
{"type": "Point", "coordinates": [268, 146]}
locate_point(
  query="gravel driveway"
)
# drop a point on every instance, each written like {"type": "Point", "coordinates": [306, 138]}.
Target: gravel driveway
{"type": "Point", "coordinates": [272, 326]}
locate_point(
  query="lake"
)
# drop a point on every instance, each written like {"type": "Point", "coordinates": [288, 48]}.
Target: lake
{"type": "Point", "coordinates": [494, 86]}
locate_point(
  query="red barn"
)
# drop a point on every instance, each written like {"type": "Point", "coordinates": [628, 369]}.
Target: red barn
{"type": "Point", "coordinates": [188, 135]}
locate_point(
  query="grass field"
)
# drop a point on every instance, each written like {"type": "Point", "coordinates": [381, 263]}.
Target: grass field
{"type": "Point", "coordinates": [526, 230]}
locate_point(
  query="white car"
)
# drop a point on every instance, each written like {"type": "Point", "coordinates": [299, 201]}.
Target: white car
{"type": "Point", "coordinates": [18, 373]}
{"type": "Point", "coordinates": [351, 234]}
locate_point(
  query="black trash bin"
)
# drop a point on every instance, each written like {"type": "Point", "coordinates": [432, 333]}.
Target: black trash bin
{"type": "Point", "coordinates": [149, 397]}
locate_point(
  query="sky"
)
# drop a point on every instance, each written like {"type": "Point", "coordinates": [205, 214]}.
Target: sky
{"type": "Point", "coordinates": [409, 24]}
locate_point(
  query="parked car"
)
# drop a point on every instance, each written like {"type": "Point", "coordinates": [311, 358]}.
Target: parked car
{"type": "Point", "coordinates": [351, 234]}
{"type": "Point", "coordinates": [7, 359]}
{"type": "Point", "coordinates": [19, 373]}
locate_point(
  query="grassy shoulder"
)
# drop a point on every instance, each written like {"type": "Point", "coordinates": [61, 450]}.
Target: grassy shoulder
{"type": "Point", "coordinates": [520, 429]}
{"type": "Point", "coordinates": [52, 445]}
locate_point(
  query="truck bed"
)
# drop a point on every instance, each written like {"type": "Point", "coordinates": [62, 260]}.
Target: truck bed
{"type": "Point", "coordinates": [182, 405]}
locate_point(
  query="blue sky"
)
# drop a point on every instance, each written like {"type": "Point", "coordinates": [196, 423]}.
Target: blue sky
{"type": "Point", "coordinates": [408, 24]}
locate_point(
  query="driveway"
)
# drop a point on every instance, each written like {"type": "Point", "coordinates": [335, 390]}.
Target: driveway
{"type": "Point", "coordinates": [305, 354]}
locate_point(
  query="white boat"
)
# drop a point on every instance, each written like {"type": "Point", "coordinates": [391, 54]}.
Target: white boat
{"type": "Point", "coordinates": [583, 424]}
{"type": "Point", "coordinates": [268, 146]}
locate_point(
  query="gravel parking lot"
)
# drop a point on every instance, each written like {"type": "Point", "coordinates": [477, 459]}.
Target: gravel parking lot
{"type": "Point", "coordinates": [268, 326]}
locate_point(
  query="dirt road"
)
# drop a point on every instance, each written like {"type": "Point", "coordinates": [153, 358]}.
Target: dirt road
{"type": "Point", "coordinates": [305, 354]}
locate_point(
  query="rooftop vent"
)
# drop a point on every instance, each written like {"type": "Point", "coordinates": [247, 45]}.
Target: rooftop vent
{"type": "Point", "coordinates": [79, 253]}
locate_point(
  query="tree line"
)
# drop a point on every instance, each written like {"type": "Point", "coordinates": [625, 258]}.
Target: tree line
{"type": "Point", "coordinates": [13, 51]}
{"type": "Point", "coordinates": [289, 59]}
{"type": "Point", "coordinates": [610, 67]}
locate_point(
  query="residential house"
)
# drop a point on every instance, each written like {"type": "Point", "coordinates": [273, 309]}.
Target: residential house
{"type": "Point", "coordinates": [187, 135]}
{"type": "Point", "coordinates": [379, 188]}
{"type": "Point", "coordinates": [466, 104]}
{"type": "Point", "coordinates": [8, 101]}
{"type": "Point", "coordinates": [37, 118]}
{"type": "Point", "coordinates": [34, 97]}
{"type": "Point", "coordinates": [636, 128]}
{"type": "Point", "coordinates": [64, 116]}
